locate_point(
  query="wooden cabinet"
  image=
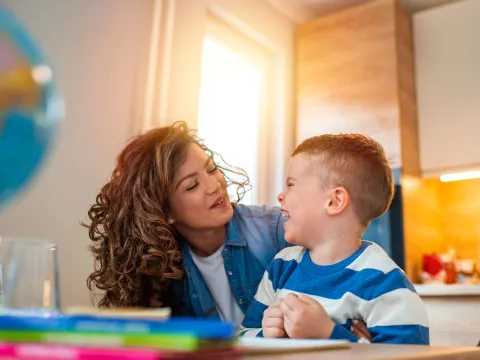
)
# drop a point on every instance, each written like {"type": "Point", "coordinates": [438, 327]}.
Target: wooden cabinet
{"type": "Point", "coordinates": [447, 55]}
{"type": "Point", "coordinates": [355, 73]}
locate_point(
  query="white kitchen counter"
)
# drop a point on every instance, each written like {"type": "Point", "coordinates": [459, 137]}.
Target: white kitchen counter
{"type": "Point", "coordinates": [425, 290]}
{"type": "Point", "coordinates": [453, 313]}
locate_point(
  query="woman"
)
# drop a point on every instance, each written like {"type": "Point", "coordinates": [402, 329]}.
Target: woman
{"type": "Point", "coordinates": [166, 232]}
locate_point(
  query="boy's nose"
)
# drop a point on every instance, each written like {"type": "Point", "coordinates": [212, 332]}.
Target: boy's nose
{"type": "Point", "coordinates": [281, 197]}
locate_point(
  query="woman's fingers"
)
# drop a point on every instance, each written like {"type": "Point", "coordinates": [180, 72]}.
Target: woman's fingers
{"type": "Point", "coordinates": [360, 329]}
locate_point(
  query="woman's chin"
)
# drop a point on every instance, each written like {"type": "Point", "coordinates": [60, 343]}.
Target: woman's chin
{"type": "Point", "coordinates": [225, 215]}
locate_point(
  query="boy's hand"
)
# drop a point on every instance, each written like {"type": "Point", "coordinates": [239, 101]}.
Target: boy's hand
{"type": "Point", "coordinates": [305, 318]}
{"type": "Point", "coordinates": [272, 323]}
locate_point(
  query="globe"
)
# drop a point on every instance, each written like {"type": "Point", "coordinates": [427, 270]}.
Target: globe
{"type": "Point", "coordinates": [30, 109]}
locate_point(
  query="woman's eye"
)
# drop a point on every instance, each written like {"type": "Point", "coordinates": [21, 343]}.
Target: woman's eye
{"type": "Point", "coordinates": [191, 188]}
{"type": "Point", "coordinates": [213, 170]}
{"type": "Point", "coordinates": [289, 185]}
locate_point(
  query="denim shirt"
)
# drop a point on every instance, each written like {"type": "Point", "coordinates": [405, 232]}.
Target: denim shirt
{"type": "Point", "coordinates": [254, 235]}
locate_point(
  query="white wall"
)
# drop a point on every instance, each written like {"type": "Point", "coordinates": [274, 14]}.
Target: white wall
{"type": "Point", "coordinates": [447, 56]}
{"type": "Point", "coordinates": [98, 50]}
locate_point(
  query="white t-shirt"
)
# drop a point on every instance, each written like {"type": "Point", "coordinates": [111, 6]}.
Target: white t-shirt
{"type": "Point", "coordinates": [213, 272]}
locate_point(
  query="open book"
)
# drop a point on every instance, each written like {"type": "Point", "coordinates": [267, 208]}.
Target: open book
{"type": "Point", "coordinates": [262, 345]}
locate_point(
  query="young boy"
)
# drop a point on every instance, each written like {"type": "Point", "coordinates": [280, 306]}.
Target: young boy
{"type": "Point", "coordinates": [336, 184]}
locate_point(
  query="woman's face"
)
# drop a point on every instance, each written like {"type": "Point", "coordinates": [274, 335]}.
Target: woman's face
{"type": "Point", "coordinates": [199, 199]}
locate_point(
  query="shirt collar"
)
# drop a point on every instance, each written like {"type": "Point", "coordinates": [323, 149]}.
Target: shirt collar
{"type": "Point", "coordinates": [235, 235]}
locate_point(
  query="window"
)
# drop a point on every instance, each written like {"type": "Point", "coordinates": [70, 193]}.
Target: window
{"type": "Point", "coordinates": [251, 129]}
{"type": "Point", "coordinates": [233, 112]}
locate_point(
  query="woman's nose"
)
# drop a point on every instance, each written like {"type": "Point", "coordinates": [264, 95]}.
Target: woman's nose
{"type": "Point", "coordinates": [213, 185]}
{"type": "Point", "coordinates": [281, 197]}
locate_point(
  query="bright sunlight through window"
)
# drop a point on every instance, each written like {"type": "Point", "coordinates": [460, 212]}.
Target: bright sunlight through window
{"type": "Point", "coordinates": [229, 111]}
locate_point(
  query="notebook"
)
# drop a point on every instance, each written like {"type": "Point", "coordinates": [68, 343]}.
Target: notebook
{"type": "Point", "coordinates": [132, 313]}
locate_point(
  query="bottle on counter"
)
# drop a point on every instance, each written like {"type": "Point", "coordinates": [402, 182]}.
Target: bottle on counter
{"type": "Point", "coordinates": [448, 261]}
{"type": "Point", "coordinates": [450, 273]}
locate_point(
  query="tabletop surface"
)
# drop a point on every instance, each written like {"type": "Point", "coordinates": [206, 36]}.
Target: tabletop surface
{"type": "Point", "coordinates": [379, 352]}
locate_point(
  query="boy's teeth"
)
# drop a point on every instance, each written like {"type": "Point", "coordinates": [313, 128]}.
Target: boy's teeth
{"type": "Point", "coordinates": [286, 214]}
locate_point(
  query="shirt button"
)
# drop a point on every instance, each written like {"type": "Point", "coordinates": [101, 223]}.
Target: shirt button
{"type": "Point", "coordinates": [194, 296]}
{"type": "Point", "coordinates": [229, 273]}
{"type": "Point", "coordinates": [240, 301]}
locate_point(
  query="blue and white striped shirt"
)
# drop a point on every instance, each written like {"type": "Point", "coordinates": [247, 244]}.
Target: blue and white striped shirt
{"type": "Point", "coordinates": [367, 285]}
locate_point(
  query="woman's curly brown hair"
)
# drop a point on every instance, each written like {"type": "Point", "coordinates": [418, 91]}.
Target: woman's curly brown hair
{"type": "Point", "coordinates": [137, 253]}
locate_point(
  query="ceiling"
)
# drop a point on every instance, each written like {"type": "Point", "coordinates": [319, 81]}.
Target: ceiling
{"type": "Point", "coordinates": [304, 10]}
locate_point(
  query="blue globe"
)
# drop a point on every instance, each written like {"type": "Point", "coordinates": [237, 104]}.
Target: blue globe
{"type": "Point", "coordinates": [30, 109]}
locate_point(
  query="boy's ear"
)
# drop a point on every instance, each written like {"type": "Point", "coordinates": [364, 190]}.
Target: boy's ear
{"type": "Point", "coordinates": [338, 201]}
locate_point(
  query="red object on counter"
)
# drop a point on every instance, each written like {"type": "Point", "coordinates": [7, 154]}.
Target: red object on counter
{"type": "Point", "coordinates": [432, 264]}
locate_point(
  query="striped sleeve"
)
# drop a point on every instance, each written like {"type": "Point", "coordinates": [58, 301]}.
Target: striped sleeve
{"type": "Point", "coordinates": [398, 317]}
{"type": "Point", "coordinates": [252, 323]}
{"type": "Point", "coordinates": [278, 272]}
{"type": "Point", "coordinates": [388, 303]}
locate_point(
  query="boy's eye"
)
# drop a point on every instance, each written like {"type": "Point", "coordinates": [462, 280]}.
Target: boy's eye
{"type": "Point", "coordinates": [213, 170]}
{"type": "Point", "coordinates": [289, 184]}
{"type": "Point", "coordinates": [193, 187]}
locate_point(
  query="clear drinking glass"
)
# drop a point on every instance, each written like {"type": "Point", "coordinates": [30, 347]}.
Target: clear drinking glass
{"type": "Point", "coordinates": [28, 275]}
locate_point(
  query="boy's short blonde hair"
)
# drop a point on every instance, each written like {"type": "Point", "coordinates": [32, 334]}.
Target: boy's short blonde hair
{"type": "Point", "coordinates": [357, 163]}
